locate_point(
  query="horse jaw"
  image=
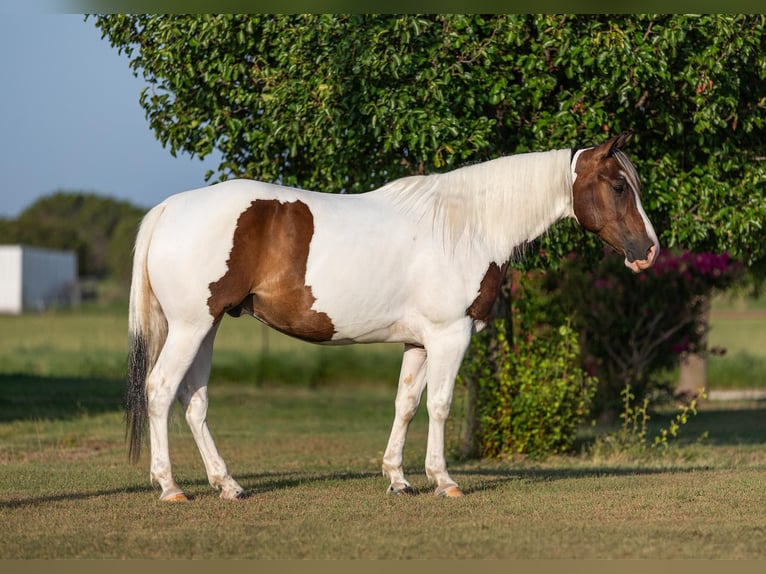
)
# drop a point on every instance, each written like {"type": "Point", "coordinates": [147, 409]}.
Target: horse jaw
{"type": "Point", "coordinates": [640, 265]}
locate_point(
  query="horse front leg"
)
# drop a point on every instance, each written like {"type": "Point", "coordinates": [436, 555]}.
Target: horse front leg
{"type": "Point", "coordinates": [193, 397]}
{"type": "Point", "coordinates": [445, 353]}
{"type": "Point", "coordinates": [412, 378]}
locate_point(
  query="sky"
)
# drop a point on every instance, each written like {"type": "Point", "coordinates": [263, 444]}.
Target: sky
{"type": "Point", "coordinates": [70, 119]}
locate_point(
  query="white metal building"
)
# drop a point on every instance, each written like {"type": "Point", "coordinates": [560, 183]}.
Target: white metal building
{"type": "Point", "coordinates": [33, 278]}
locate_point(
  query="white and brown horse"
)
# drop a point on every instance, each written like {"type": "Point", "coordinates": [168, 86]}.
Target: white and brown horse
{"type": "Point", "coordinates": [417, 262]}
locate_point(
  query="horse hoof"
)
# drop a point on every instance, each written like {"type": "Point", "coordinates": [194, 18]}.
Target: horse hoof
{"type": "Point", "coordinates": [239, 495]}
{"type": "Point", "coordinates": [406, 489]}
{"type": "Point", "coordinates": [177, 497]}
{"type": "Point", "coordinates": [450, 492]}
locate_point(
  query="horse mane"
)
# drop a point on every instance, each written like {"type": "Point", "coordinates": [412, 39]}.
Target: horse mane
{"type": "Point", "coordinates": [503, 203]}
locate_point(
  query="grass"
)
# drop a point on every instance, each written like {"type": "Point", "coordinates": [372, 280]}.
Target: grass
{"type": "Point", "coordinates": [738, 325]}
{"type": "Point", "coordinates": [93, 343]}
{"type": "Point", "coordinates": [311, 458]}
{"type": "Point", "coordinates": [306, 441]}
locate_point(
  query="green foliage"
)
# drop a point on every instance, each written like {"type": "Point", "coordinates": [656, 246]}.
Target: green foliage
{"type": "Point", "coordinates": [348, 102]}
{"type": "Point", "coordinates": [531, 393]}
{"type": "Point", "coordinates": [633, 436]}
{"type": "Point", "coordinates": [635, 327]}
{"type": "Point", "coordinates": [100, 230]}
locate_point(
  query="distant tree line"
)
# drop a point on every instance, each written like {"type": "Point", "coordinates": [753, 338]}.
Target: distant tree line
{"type": "Point", "coordinates": [99, 229]}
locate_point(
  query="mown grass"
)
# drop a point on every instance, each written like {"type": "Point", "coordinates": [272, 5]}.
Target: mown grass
{"type": "Point", "coordinates": [310, 459]}
{"type": "Point", "coordinates": [309, 453]}
{"type": "Point", "coordinates": [738, 327]}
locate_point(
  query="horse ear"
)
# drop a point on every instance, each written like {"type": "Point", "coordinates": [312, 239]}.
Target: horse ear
{"type": "Point", "coordinates": [616, 143]}
{"type": "Point", "coordinates": [622, 139]}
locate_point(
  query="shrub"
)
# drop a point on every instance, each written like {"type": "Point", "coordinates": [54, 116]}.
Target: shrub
{"type": "Point", "coordinates": [530, 392]}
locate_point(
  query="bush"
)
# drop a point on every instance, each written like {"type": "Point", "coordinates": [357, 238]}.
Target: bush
{"type": "Point", "coordinates": [634, 328]}
{"type": "Point", "coordinates": [530, 392]}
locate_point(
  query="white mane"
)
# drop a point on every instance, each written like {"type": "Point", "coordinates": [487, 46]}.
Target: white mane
{"type": "Point", "coordinates": [501, 203]}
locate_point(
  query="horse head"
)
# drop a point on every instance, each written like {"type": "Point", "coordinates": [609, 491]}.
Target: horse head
{"type": "Point", "coordinates": [606, 199]}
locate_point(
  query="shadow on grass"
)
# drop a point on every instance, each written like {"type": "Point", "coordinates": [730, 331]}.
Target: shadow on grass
{"type": "Point", "coordinates": [71, 496]}
{"type": "Point", "coordinates": [261, 484]}
{"type": "Point", "coordinates": [31, 397]}
{"type": "Point", "coordinates": [730, 426]}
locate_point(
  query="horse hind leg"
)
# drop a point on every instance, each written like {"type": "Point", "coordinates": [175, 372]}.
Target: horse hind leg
{"type": "Point", "coordinates": [162, 385]}
{"type": "Point", "coordinates": [193, 397]}
{"type": "Point", "coordinates": [412, 378]}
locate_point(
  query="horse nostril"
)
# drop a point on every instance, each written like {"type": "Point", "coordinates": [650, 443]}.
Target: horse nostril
{"type": "Point", "coordinates": [652, 252]}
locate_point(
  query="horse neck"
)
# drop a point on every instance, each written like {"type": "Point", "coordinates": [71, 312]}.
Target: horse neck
{"type": "Point", "coordinates": [506, 202]}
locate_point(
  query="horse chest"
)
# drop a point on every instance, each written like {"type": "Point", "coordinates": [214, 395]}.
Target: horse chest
{"type": "Point", "coordinates": [489, 288]}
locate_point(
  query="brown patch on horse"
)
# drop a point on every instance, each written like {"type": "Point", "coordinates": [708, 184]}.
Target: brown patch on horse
{"type": "Point", "coordinates": [604, 199]}
{"type": "Point", "coordinates": [266, 271]}
{"type": "Point", "coordinates": [481, 307]}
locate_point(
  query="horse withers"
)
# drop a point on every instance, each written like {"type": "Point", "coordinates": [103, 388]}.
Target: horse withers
{"type": "Point", "coordinates": [418, 262]}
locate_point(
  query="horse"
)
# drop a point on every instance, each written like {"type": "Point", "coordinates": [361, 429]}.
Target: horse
{"type": "Point", "coordinates": [416, 262]}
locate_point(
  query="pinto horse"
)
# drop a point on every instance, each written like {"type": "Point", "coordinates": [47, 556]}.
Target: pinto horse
{"type": "Point", "coordinates": [418, 262]}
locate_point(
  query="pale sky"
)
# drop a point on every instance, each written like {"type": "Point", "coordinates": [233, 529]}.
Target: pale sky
{"type": "Point", "coordinates": [70, 119]}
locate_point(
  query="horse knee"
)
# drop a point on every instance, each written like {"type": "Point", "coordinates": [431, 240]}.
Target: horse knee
{"type": "Point", "coordinates": [406, 408]}
{"type": "Point", "coordinates": [438, 410]}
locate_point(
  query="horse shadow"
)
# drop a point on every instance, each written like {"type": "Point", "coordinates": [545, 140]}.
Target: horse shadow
{"type": "Point", "coordinates": [490, 479]}
{"type": "Point", "coordinates": [263, 483]}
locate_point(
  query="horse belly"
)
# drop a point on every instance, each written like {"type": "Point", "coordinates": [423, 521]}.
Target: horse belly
{"type": "Point", "coordinates": [375, 280]}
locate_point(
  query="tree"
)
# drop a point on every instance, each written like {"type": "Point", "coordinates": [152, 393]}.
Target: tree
{"type": "Point", "coordinates": [348, 102]}
{"type": "Point", "coordinates": [99, 229]}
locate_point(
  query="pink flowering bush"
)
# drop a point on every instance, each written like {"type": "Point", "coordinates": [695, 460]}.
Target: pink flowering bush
{"type": "Point", "coordinates": [633, 327]}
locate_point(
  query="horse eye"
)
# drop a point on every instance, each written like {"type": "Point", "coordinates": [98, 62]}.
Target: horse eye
{"type": "Point", "coordinates": [618, 187]}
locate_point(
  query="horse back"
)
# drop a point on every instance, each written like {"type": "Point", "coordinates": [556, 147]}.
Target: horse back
{"type": "Point", "coordinates": [319, 267]}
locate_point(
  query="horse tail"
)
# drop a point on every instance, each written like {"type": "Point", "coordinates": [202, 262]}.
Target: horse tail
{"type": "Point", "coordinates": [147, 332]}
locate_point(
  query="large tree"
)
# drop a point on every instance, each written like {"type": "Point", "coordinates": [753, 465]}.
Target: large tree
{"type": "Point", "coordinates": [348, 102]}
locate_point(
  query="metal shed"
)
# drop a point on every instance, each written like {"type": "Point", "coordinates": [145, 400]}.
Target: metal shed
{"type": "Point", "coordinates": [33, 278]}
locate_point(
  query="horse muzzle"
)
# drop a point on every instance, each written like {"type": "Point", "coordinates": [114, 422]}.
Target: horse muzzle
{"type": "Point", "coordinates": [638, 265]}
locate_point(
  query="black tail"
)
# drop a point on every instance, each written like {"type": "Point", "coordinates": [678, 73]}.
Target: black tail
{"type": "Point", "coordinates": [147, 331]}
{"type": "Point", "coordinates": [135, 396]}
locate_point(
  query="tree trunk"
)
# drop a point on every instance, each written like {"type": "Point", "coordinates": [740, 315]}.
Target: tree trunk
{"type": "Point", "coordinates": [470, 444]}
{"type": "Point", "coordinates": [693, 368]}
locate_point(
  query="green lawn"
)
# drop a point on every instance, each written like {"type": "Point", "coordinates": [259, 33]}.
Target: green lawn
{"type": "Point", "coordinates": [742, 334]}
{"type": "Point", "coordinates": [310, 459]}
{"type": "Point", "coordinates": [305, 435]}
